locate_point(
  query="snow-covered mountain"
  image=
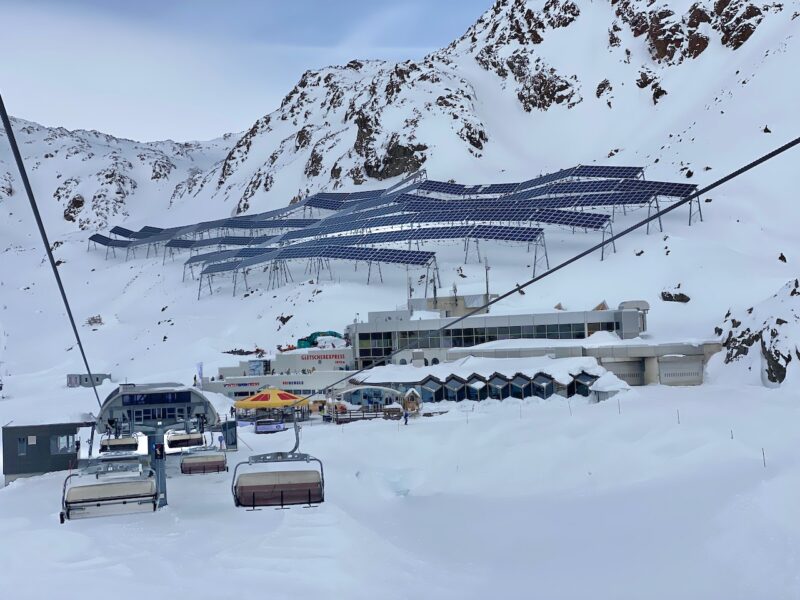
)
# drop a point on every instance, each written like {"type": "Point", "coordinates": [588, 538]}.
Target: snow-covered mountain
{"type": "Point", "coordinates": [627, 79]}
{"type": "Point", "coordinates": [93, 179]}
{"type": "Point", "coordinates": [688, 90]}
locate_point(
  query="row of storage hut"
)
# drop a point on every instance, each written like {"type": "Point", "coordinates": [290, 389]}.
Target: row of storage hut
{"type": "Point", "coordinates": [475, 387]}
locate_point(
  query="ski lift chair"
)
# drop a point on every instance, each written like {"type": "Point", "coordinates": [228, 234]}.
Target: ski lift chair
{"type": "Point", "coordinates": [128, 443]}
{"type": "Point", "coordinates": [279, 488]}
{"type": "Point", "coordinates": [175, 441]}
{"type": "Point", "coordinates": [203, 460]}
{"type": "Point", "coordinates": [117, 488]}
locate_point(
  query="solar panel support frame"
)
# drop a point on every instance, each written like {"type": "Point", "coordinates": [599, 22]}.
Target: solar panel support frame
{"type": "Point", "coordinates": [539, 253]}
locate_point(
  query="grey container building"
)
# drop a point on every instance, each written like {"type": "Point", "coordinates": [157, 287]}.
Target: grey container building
{"type": "Point", "coordinates": [36, 449]}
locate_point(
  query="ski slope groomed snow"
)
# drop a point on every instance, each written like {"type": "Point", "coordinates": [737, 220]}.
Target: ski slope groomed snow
{"type": "Point", "coordinates": [662, 495]}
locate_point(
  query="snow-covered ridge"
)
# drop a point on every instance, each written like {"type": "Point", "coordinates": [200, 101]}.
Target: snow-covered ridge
{"type": "Point", "coordinates": [96, 178]}
{"type": "Point", "coordinates": [478, 105]}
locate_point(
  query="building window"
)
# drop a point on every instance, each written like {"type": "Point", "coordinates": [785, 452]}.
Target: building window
{"type": "Point", "coordinates": [62, 444]}
{"type": "Point", "coordinates": [22, 446]}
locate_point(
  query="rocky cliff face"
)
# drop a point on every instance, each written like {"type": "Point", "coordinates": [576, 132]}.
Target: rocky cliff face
{"type": "Point", "coordinates": [765, 336]}
{"type": "Point", "coordinates": [369, 121]}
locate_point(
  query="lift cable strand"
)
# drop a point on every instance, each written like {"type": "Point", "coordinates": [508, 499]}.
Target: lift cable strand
{"type": "Point", "coordinates": [24, 176]}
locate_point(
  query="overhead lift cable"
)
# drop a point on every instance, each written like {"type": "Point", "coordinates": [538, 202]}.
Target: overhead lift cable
{"type": "Point", "coordinates": [26, 184]}
{"type": "Point", "coordinates": [610, 240]}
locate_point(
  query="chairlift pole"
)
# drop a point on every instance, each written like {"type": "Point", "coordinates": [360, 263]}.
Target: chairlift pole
{"type": "Point", "coordinates": [155, 442]}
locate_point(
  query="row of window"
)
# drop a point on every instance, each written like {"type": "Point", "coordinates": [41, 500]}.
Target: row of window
{"type": "Point", "coordinates": [382, 343]}
{"type": "Point", "coordinates": [59, 444]}
{"type": "Point", "coordinates": [158, 413]}
{"type": "Point", "coordinates": [157, 398]}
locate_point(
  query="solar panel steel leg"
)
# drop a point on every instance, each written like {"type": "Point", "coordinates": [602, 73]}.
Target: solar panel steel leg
{"type": "Point", "coordinates": [658, 209]}
{"type": "Point", "coordinates": [369, 270]}
{"type": "Point", "coordinates": [603, 247]}
{"type": "Point", "coordinates": [288, 272]}
{"type": "Point", "coordinates": [199, 287]}
{"type": "Point", "coordinates": [380, 272]}
{"type": "Point", "coordinates": [234, 283]}
{"type": "Point", "coordinates": [244, 276]}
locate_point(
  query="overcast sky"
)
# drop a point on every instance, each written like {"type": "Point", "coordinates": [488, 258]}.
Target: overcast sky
{"type": "Point", "coordinates": [195, 69]}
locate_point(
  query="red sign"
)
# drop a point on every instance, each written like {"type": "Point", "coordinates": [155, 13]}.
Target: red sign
{"type": "Point", "coordinates": [323, 357]}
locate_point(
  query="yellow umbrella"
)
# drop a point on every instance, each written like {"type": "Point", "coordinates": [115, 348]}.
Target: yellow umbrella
{"type": "Point", "coordinates": [271, 398]}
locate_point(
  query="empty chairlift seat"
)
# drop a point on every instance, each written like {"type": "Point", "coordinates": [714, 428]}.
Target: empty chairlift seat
{"type": "Point", "coordinates": [278, 488]}
{"type": "Point", "coordinates": [203, 462]}
{"type": "Point", "coordinates": [177, 440]}
{"type": "Point", "coordinates": [108, 495]}
{"type": "Point", "coordinates": [122, 444]}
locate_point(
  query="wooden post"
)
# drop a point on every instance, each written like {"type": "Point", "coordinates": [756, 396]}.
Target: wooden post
{"type": "Point", "coordinates": [569, 404]}
{"type": "Point", "coordinates": [764, 457]}
{"type": "Point", "coordinates": [679, 415]}
{"type": "Point", "coordinates": [619, 408]}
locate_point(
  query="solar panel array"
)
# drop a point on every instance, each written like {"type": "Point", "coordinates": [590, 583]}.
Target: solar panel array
{"type": "Point", "coordinates": [412, 212]}
{"type": "Point", "coordinates": [382, 255]}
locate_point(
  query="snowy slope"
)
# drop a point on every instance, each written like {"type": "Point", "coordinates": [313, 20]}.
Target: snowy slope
{"type": "Point", "coordinates": [714, 117]}
{"type": "Point", "coordinates": [514, 500]}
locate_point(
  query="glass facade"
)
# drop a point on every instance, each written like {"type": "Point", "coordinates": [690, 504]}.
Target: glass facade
{"type": "Point", "coordinates": [377, 345]}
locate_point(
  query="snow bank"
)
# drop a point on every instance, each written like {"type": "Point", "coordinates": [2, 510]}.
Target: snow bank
{"type": "Point", "coordinates": [561, 370]}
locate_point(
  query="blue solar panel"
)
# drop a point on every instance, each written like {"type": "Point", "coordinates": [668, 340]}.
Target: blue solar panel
{"type": "Point", "coordinates": [512, 234]}
{"type": "Point", "coordinates": [607, 172]}
{"type": "Point", "coordinates": [324, 203]}
{"type": "Point", "coordinates": [225, 267]}
{"type": "Point", "coordinates": [441, 187]}
{"type": "Point", "coordinates": [210, 257]}
{"type": "Point", "coordinates": [119, 230]}
{"type": "Point", "coordinates": [661, 188]}
{"type": "Point", "coordinates": [103, 240]}
{"type": "Point", "coordinates": [147, 230]}
{"type": "Point", "coordinates": [544, 179]}
{"type": "Point", "coordinates": [180, 243]}
{"type": "Point", "coordinates": [356, 196]}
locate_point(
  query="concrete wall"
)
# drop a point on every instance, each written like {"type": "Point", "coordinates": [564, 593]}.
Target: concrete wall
{"type": "Point", "coordinates": [636, 364]}
{"type": "Point", "coordinates": [82, 379]}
